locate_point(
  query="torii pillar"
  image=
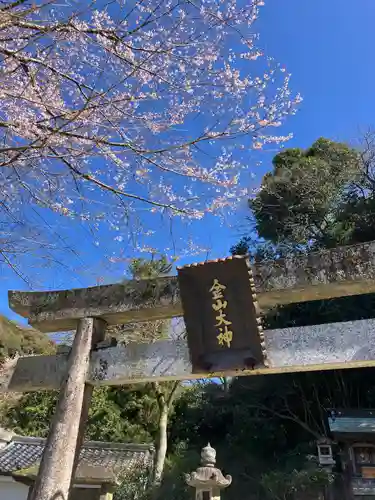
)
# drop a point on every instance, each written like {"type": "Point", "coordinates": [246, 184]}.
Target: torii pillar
{"type": "Point", "coordinates": [65, 438]}
{"type": "Point", "coordinates": [207, 480]}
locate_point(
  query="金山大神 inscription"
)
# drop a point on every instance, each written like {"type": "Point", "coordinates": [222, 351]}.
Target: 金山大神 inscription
{"type": "Point", "coordinates": [219, 305]}
{"type": "Point", "coordinates": [221, 316]}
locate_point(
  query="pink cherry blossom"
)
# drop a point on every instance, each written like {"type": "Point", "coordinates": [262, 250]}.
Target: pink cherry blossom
{"type": "Point", "coordinates": [126, 108]}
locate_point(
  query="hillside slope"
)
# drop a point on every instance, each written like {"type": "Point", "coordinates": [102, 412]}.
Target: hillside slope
{"type": "Point", "coordinates": [22, 340]}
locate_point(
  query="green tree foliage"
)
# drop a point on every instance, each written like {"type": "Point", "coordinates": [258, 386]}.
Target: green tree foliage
{"type": "Point", "coordinates": [184, 459]}
{"type": "Point", "coordinates": [119, 414]}
{"type": "Point", "coordinates": [134, 486]}
{"type": "Point", "coordinates": [282, 485]}
{"type": "Point", "coordinates": [302, 200]}
{"type": "Point", "coordinates": [30, 414]}
{"type": "Point", "coordinates": [150, 268]}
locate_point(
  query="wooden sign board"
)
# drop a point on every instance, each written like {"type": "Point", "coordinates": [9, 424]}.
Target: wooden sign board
{"type": "Point", "coordinates": [368, 472]}
{"type": "Point", "coordinates": [221, 316]}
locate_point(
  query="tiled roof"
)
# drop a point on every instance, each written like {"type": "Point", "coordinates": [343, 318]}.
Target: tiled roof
{"type": "Point", "coordinates": [352, 421]}
{"type": "Point", "coordinates": [25, 452]}
{"type": "Point", "coordinates": [352, 425]}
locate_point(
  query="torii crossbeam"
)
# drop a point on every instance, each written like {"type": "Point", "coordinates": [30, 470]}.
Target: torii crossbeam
{"type": "Point", "coordinates": [334, 273]}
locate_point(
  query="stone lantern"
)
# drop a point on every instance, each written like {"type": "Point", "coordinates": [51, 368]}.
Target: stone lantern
{"type": "Point", "coordinates": [207, 479]}
{"type": "Point", "coordinates": [325, 455]}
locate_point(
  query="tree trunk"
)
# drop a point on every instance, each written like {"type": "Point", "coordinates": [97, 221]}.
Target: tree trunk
{"type": "Point", "coordinates": [161, 445]}
{"type": "Point", "coordinates": [164, 404]}
{"type": "Point", "coordinates": [225, 384]}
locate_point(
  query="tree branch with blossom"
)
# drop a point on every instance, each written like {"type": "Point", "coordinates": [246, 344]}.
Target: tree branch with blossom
{"type": "Point", "coordinates": [121, 94]}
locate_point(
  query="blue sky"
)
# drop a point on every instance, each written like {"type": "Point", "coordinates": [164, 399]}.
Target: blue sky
{"type": "Point", "coordinates": [327, 45]}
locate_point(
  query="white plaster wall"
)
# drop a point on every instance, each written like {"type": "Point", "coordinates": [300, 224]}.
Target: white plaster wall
{"type": "Point", "coordinates": [11, 490]}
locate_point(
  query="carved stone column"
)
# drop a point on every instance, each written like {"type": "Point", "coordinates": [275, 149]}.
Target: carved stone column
{"type": "Point", "coordinates": [207, 480]}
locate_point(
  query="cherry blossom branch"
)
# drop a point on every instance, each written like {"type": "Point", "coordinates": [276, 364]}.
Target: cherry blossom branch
{"type": "Point", "coordinates": [114, 190]}
{"type": "Point", "coordinates": [107, 118]}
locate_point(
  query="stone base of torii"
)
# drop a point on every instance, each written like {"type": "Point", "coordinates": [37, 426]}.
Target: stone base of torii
{"type": "Point", "coordinates": [335, 273]}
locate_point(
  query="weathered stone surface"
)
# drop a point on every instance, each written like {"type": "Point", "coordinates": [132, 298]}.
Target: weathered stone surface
{"type": "Point", "coordinates": [348, 270]}
{"type": "Point", "coordinates": [160, 360]}
{"type": "Point", "coordinates": [33, 373]}
{"type": "Point", "coordinates": [120, 303]}
{"type": "Point", "coordinates": [98, 335]}
{"type": "Point", "coordinates": [56, 467]}
{"type": "Point", "coordinates": [320, 347]}
{"type": "Point", "coordinates": [332, 273]}
{"type": "Point", "coordinates": [208, 477]}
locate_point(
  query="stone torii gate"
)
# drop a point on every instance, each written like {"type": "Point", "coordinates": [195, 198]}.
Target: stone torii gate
{"type": "Point", "coordinates": [91, 362]}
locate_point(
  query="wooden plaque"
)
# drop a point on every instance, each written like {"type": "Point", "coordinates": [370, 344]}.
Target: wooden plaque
{"type": "Point", "coordinates": [221, 316]}
{"type": "Point", "coordinates": [368, 472]}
